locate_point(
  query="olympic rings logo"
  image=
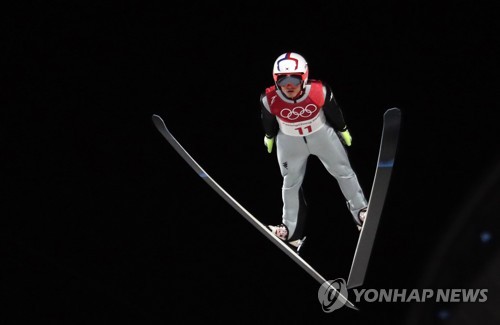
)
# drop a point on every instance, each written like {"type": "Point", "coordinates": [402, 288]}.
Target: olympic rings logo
{"type": "Point", "coordinates": [298, 111]}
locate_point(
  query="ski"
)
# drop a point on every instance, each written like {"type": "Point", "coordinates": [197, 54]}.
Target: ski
{"type": "Point", "coordinates": [385, 163]}
{"type": "Point", "coordinates": [160, 125]}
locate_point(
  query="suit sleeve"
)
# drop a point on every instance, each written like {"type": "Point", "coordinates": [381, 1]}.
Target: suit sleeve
{"type": "Point", "coordinates": [332, 110]}
{"type": "Point", "coordinates": [269, 123]}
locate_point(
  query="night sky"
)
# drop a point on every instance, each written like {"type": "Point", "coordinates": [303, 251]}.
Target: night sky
{"type": "Point", "coordinates": [104, 222]}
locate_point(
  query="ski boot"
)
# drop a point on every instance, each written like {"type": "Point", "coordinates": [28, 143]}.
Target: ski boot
{"type": "Point", "coordinates": [362, 217]}
{"type": "Point", "coordinates": [281, 231]}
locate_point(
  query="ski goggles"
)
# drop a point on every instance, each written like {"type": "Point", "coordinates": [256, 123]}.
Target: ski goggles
{"type": "Point", "coordinates": [293, 79]}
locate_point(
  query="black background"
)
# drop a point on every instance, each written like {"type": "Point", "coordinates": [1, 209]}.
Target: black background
{"type": "Point", "coordinates": [104, 221]}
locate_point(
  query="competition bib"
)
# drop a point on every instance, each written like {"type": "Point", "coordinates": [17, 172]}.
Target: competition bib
{"type": "Point", "coordinates": [301, 128]}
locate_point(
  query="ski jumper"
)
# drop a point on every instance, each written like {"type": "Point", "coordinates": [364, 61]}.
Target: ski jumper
{"type": "Point", "coordinates": [303, 127]}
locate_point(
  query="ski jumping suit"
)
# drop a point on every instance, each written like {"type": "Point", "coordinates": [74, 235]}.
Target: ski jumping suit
{"type": "Point", "coordinates": [307, 126]}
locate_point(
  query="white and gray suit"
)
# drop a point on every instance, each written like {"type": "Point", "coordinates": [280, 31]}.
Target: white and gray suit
{"type": "Point", "coordinates": [294, 151]}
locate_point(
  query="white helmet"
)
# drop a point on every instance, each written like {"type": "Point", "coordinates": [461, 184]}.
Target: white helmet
{"type": "Point", "coordinates": [291, 63]}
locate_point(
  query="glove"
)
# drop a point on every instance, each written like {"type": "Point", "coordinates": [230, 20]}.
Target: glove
{"type": "Point", "coordinates": [345, 137]}
{"type": "Point", "coordinates": [268, 142]}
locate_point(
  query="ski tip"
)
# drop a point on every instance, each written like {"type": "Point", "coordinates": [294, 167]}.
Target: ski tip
{"type": "Point", "coordinates": [158, 122]}
{"type": "Point", "coordinates": [393, 110]}
{"type": "Point", "coordinates": [393, 114]}
{"type": "Point", "coordinates": [157, 119]}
